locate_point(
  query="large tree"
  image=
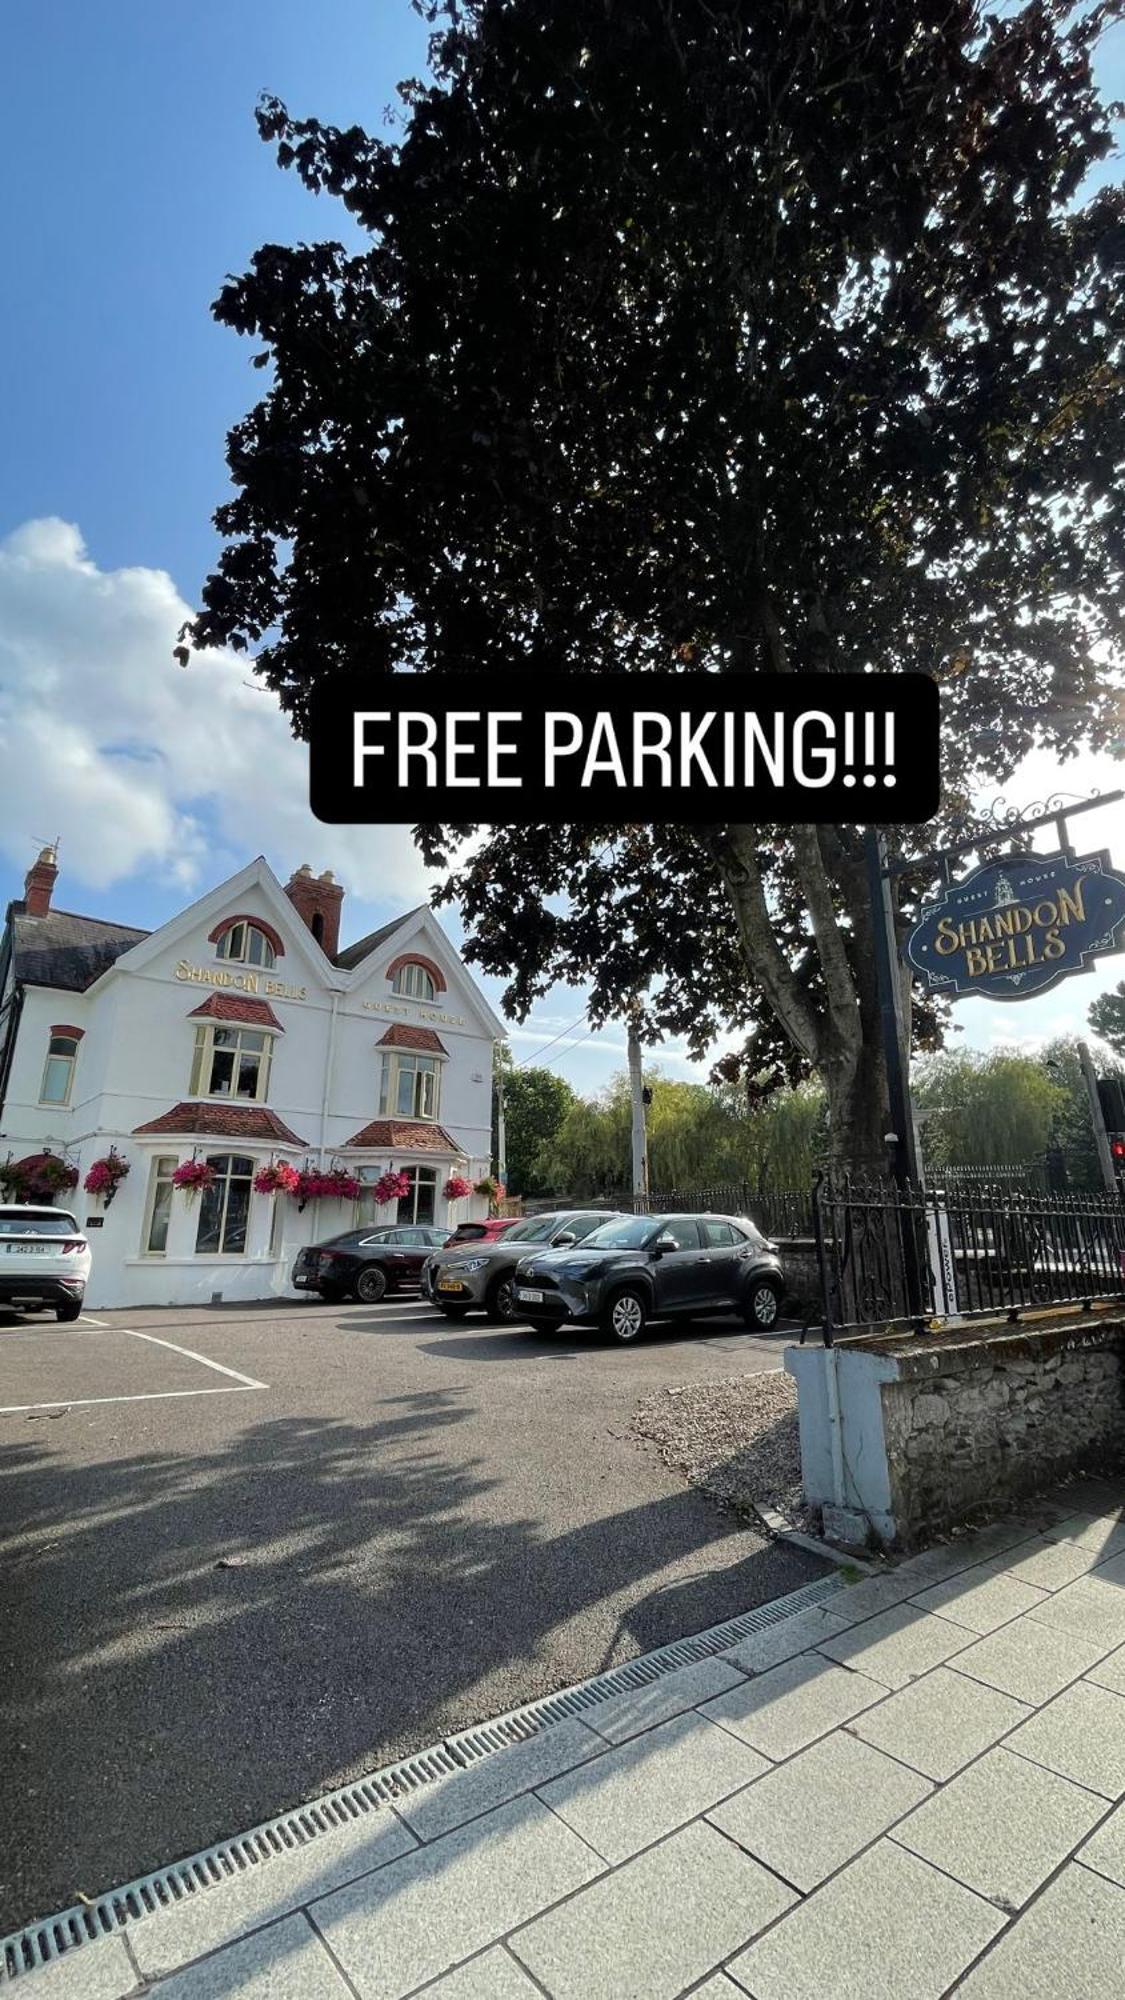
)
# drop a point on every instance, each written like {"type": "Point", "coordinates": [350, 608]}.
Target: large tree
{"type": "Point", "coordinates": [737, 334]}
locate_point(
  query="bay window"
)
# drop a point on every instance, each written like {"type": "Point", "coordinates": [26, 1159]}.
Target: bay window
{"type": "Point", "coordinates": [231, 1061]}
{"type": "Point", "coordinates": [409, 1086]}
{"type": "Point", "coordinates": [224, 1207]}
{"type": "Point", "coordinates": [418, 1205]}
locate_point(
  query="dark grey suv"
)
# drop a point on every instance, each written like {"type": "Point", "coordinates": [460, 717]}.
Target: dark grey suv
{"type": "Point", "coordinates": [644, 1267]}
{"type": "Point", "coordinates": [468, 1275]}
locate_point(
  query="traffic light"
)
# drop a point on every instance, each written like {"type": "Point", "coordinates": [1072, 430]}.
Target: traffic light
{"type": "Point", "coordinates": [1111, 1097]}
{"type": "Point", "coordinates": [1117, 1149]}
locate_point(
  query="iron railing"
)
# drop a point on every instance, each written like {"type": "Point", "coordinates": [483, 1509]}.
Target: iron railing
{"type": "Point", "coordinates": [891, 1253]}
{"type": "Point", "coordinates": [786, 1212]}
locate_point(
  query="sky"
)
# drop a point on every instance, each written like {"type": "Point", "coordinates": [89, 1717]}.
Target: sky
{"type": "Point", "coordinates": [135, 182]}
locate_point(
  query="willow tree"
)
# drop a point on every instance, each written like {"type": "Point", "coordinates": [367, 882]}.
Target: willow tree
{"type": "Point", "coordinates": [731, 334]}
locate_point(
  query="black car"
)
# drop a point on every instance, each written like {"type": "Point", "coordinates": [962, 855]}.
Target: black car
{"type": "Point", "coordinates": [644, 1267]}
{"type": "Point", "coordinates": [366, 1263]}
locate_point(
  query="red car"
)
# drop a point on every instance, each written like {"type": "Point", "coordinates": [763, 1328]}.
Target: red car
{"type": "Point", "coordinates": [480, 1232]}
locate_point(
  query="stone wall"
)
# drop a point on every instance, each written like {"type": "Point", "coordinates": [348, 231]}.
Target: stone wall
{"type": "Point", "coordinates": [990, 1420]}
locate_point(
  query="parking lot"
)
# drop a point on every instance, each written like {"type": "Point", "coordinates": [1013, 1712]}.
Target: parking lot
{"type": "Point", "coordinates": [251, 1552]}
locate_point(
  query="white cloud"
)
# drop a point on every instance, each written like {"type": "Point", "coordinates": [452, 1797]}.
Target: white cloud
{"type": "Point", "coordinates": [141, 765]}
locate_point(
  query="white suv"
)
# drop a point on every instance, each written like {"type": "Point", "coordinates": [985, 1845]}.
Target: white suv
{"type": "Point", "coordinates": [44, 1259]}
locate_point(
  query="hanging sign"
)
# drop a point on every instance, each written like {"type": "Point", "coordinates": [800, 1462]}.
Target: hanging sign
{"type": "Point", "coordinates": [1014, 928]}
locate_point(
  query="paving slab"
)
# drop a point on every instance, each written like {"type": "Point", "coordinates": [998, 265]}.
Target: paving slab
{"type": "Point", "coordinates": [655, 1926]}
{"type": "Point", "coordinates": [1105, 1851]}
{"type": "Point", "coordinates": [1081, 1735]}
{"type": "Point", "coordinates": [1113, 1570]}
{"type": "Point", "coordinates": [1002, 1826]}
{"type": "Point", "coordinates": [968, 1551]}
{"type": "Point", "coordinates": [783, 1711]}
{"type": "Point", "coordinates": [808, 1817]}
{"type": "Point", "coordinates": [423, 1914]}
{"type": "Point", "coordinates": [980, 1602]}
{"type": "Point", "coordinates": [1089, 1607]}
{"type": "Point", "coordinates": [450, 1801]}
{"type": "Point", "coordinates": [897, 1645]}
{"type": "Point", "coordinates": [875, 1593]}
{"type": "Point", "coordinates": [1047, 1564]}
{"type": "Point", "coordinates": [214, 1917]}
{"type": "Point", "coordinates": [1029, 1660]}
{"type": "Point", "coordinates": [885, 1927]}
{"type": "Point", "coordinates": [493, 1976]}
{"type": "Point", "coordinates": [782, 1641]}
{"type": "Point", "coordinates": [1110, 1672]}
{"type": "Point", "coordinates": [940, 1723]}
{"type": "Point", "coordinates": [625, 1715]}
{"type": "Point", "coordinates": [286, 1961]}
{"type": "Point", "coordinates": [1104, 1533]}
{"type": "Point", "coordinates": [99, 1971]}
{"type": "Point", "coordinates": [719, 1988]}
{"type": "Point", "coordinates": [652, 1784]}
{"type": "Point", "coordinates": [1070, 1945]}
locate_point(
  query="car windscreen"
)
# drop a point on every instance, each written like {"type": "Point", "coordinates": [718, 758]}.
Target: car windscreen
{"type": "Point", "coordinates": [629, 1232]}
{"type": "Point", "coordinates": [536, 1231]}
{"type": "Point", "coordinates": [581, 1226]}
{"type": "Point", "coordinates": [44, 1222]}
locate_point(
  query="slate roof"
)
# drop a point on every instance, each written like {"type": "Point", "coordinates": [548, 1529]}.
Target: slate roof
{"type": "Point", "coordinates": [237, 1007]}
{"type": "Point", "coordinates": [402, 1036]}
{"type": "Point", "coordinates": [223, 1121]}
{"type": "Point", "coordinates": [66, 950]}
{"type": "Point", "coordinates": [354, 954]}
{"type": "Point", "coordinates": [405, 1137]}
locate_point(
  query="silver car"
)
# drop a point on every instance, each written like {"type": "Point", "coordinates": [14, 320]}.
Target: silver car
{"type": "Point", "coordinates": [478, 1276]}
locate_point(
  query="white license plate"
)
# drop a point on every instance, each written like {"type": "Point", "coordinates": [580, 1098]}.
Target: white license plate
{"type": "Point", "coordinates": [31, 1249]}
{"type": "Point", "coordinates": [530, 1298]}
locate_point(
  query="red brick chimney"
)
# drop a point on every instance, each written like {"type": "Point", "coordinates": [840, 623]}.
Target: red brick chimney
{"type": "Point", "coordinates": [39, 882]}
{"type": "Point", "coordinates": [317, 900]}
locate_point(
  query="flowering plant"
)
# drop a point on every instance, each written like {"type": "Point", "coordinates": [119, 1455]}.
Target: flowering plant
{"type": "Point", "coordinates": [278, 1178]}
{"type": "Point", "coordinates": [489, 1187]}
{"type": "Point", "coordinates": [333, 1186]}
{"type": "Point", "coordinates": [457, 1187]}
{"type": "Point", "coordinates": [39, 1177]}
{"type": "Point", "coordinates": [392, 1186]}
{"type": "Point", "coordinates": [191, 1175]}
{"type": "Point", "coordinates": [106, 1174]}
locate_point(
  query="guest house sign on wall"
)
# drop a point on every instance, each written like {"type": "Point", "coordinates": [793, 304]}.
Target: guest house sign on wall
{"type": "Point", "coordinates": [1014, 928]}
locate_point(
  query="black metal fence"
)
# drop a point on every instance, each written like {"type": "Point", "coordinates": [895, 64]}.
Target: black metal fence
{"type": "Point", "coordinates": [786, 1212]}
{"type": "Point", "coordinates": [888, 1253]}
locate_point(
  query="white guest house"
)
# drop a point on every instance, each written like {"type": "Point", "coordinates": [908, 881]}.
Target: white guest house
{"type": "Point", "coordinates": [238, 1035]}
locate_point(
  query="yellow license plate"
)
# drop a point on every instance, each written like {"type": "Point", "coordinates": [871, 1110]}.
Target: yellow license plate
{"type": "Point", "coordinates": [449, 1285]}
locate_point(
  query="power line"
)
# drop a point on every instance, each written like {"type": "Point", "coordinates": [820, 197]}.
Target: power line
{"type": "Point", "coordinates": [554, 1038]}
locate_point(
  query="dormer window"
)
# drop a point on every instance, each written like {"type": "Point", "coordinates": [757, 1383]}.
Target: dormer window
{"type": "Point", "coordinates": [413, 981]}
{"type": "Point", "coordinates": [246, 943]}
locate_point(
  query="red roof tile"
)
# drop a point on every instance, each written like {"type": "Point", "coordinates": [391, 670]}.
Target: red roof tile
{"type": "Point", "coordinates": [403, 1037]}
{"type": "Point", "coordinates": [223, 1121]}
{"type": "Point", "coordinates": [237, 1007]}
{"type": "Point", "coordinates": [404, 1137]}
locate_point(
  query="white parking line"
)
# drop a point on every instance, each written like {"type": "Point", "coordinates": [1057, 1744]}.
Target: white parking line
{"type": "Point", "coordinates": [241, 1383]}
{"type": "Point", "coordinates": [246, 1381]}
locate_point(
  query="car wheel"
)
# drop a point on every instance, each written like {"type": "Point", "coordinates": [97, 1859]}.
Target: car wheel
{"type": "Point", "coordinates": [501, 1301]}
{"type": "Point", "coordinates": [763, 1306]}
{"type": "Point", "coordinates": [68, 1309]}
{"type": "Point", "coordinates": [625, 1315]}
{"type": "Point", "coordinates": [371, 1285]}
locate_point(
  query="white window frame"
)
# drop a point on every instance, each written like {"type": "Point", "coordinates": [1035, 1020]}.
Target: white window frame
{"type": "Point", "coordinates": [160, 1172]}
{"type": "Point", "coordinates": [53, 1056]}
{"type": "Point", "coordinates": [203, 1060]}
{"type": "Point", "coordinates": [414, 982]}
{"type": "Point", "coordinates": [226, 1179]}
{"type": "Point", "coordinates": [235, 946]}
{"type": "Point", "coordinates": [415, 1168]}
{"type": "Point", "coordinates": [426, 1068]}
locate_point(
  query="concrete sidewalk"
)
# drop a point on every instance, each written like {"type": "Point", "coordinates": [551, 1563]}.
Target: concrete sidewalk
{"type": "Point", "coordinates": [912, 1793]}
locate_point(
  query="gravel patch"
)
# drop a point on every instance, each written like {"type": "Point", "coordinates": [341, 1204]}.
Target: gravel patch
{"type": "Point", "coordinates": [735, 1439]}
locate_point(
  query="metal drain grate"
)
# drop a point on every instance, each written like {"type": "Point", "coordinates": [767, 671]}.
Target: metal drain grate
{"type": "Point", "coordinates": [39, 1944]}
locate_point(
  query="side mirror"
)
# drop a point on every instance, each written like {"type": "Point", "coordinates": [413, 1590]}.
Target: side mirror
{"type": "Point", "coordinates": [662, 1246]}
{"type": "Point", "coordinates": [564, 1241]}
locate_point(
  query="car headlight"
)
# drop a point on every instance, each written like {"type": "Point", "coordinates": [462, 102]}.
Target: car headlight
{"type": "Point", "coordinates": [471, 1264]}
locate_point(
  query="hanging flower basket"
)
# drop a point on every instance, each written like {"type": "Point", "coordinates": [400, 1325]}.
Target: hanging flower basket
{"type": "Point", "coordinates": [391, 1187]}
{"type": "Point", "coordinates": [106, 1175]}
{"type": "Point", "coordinates": [489, 1188]}
{"type": "Point", "coordinates": [38, 1177]}
{"type": "Point", "coordinates": [192, 1175]}
{"type": "Point", "coordinates": [457, 1187]}
{"type": "Point", "coordinates": [333, 1186]}
{"type": "Point", "coordinates": [278, 1178]}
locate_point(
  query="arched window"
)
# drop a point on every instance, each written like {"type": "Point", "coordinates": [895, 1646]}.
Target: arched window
{"type": "Point", "coordinates": [413, 981]}
{"type": "Point", "coordinates": [246, 943]}
{"type": "Point", "coordinates": [58, 1070]}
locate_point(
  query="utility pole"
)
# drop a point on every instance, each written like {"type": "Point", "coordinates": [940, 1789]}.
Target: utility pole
{"type": "Point", "coordinates": [1101, 1136]}
{"type": "Point", "coordinates": [905, 1153]}
{"type": "Point", "coordinates": [640, 1138]}
{"type": "Point", "coordinates": [501, 1137]}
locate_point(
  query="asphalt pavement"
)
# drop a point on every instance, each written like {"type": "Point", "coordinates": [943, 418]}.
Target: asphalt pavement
{"type": "Point", "coordinates": [250, 1553]}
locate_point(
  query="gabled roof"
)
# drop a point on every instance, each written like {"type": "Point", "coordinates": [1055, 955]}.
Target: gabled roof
{"type": "Point", "coordinates": [354, 954]}
{"type": "Point", "coordinates": [404, 1137]}
{"type": "Point", "coordinates": [401, 1036]}
{"type": "Point", "coordinates": [222, 1121]}
{"type": "Point", "coordinates": [66, 950]}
